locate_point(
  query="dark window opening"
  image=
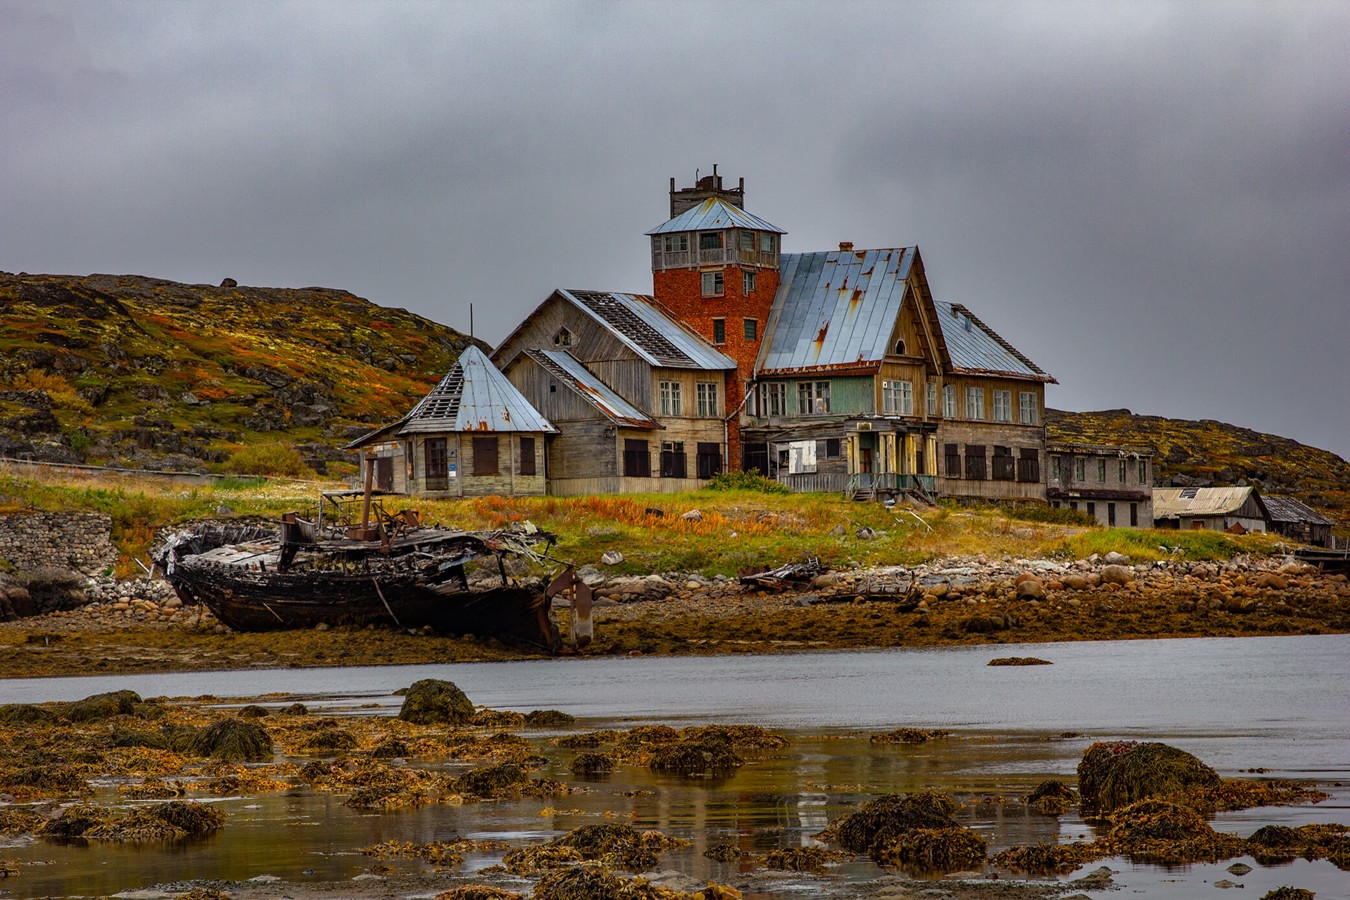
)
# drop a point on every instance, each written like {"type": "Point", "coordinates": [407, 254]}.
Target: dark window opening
{"type": "Point", "coordinates": [1092, 510]}
{"type": "Point", "coordinates": [485, 456]}
{"type": "Point", "coordinates": [436, 466]}
{"type": "Point", "coordinates": [900, 348]}
{"type": "Point", "coordinates": [975, 461]}
{"type": "Point", "coordinates": [719, 331]}
{"type": "Point", "coordinates": [1134, 515]}
{"type": "Point", "coordinates": [1029, 465]}
{"type": "Point", "coordinates": [673, 460]}
{"type": "Point", "coordinates": [527, 463]}
{"type": "Point", "coordinates": [709, 459]}
{"type": "Point", "coordinates": [832, 448]}
{"type": "Point", "coordinates": [953, 460]}
{"type": "Point", "coordinates": [1110, 514]}
{"type": "Point", "coordinates": [1005, 466]}
{"type": "Point", "coordinates": [637, 459]}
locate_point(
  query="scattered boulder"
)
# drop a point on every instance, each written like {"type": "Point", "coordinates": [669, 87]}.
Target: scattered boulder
{"type": "Point", "coordinates": [1116, 559]}
{"type": "Point", "coordinates": [1030, 589]}
{"type": "Point", "coordinates": [1019, 661]}
{"type": "Point", "coordinates": [1270, 581]}
{"type": "Point", "coordinates": [435, 702]}
{"type": "Point", "coordinates": [693, 515]}
{"type": "Point", "coordinates": [611, 558]}
{"type": "Point", "coordinates": [1116, 574]}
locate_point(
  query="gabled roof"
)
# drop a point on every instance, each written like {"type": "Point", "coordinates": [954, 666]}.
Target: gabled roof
{"type": "Point", "coordinates": [649, 332]}
{"type": "Point", "coordinates": [1280, 508]}
{"type": "Point", "coordinates": [572, 373]}
{"type": "Point", "coordinates": [473, 396]}
{"type": "Point", "coordinates": [976, 348]}
{"type": "Point", "coordinates": [714, 214]}
{"type": "Point", "coordinates": [835, 309]}
{"type": "Point", "coordinates": [1171, 503]}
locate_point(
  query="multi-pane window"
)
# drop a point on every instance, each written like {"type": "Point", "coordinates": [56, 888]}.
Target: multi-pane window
{"type": "Point", "coordinates": [713, 285]}
{"type": "Point", "coordinates": [707, 399]}
{"type": "Point", "coordinates": [747, 281]}
{"type": "Point", "coordinates": [719, 331]}
{"type": "Point", "coordinates": [752, 329]}
{"type": "Point", "coordinates": [766, 243]}
{"type": "Point", "coordinates": [747, 240]}
{"type": "Point", "coordinates": [774, 398]}
{"type": "Point", "coordinates": [1143, 471]}
{"type": "Point", "coordinates": [813, 398]}
{"type": "Point", "coordinates": [1002, 406]}
{"type": "Point", "coordinates": [1026, 408]}
{"type": "Point", "coordinates": [949, 401]}
{"type": "Point", "coordinates": [1122, 471]}
{"type": "Point", "coordinates": [436, 464]}
{"type": "Point", "coordinates": [897, 397]}
{"type": "Point", "coordinates": [930, 398]}
{"type": "Point", "coordinates": [1054, 467]}
{"type": "Point", "coordinates": [677, 243]}
{"type": "Point", "coordinates": [1079, 469]}
{"type": "Point", "coordinates": [1101, 470]}
{"type": "Point", "coordinates": [710, 240]}
{"type": "Point", "coordinates": [671, 401]}
{"type": "Point", "coordinates": [974, 403]}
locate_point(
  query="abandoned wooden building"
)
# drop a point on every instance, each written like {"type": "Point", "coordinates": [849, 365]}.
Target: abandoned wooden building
{"type": "Point", "coordinates": [1112, 484]}
{"type": "Point", "coordinates": [473, 434]}
{"type": "Point", "coordinates": [1297, 521]}
{"type": "Point", "coordinates": [1233, 509]}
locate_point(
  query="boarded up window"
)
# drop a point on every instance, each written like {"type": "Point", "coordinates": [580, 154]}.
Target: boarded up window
{"type": "Point", "coordinates": [485, 456]}
{"type": "Point", "coordinates": [527, 463]}
{"type": "Point", "coordinates": [1005, 468]}
{"type": "Point", "coordinates": [673, 460]}
{"type": "Point", "coordinates": [975, 461]}
{"type": "Point", "coordinates": [709, 459]}
{"type": "Point", "coordinates": [637, 459]}
{"type": "Point", "coordinates": [435, 468]}
{"type": "Point", "coordinates": [1029, 465]}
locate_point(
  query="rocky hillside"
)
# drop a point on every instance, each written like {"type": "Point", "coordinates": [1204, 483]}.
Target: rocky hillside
{"type": "Point", "coordinates": [147, 373]}
{"type": "Point", "coordinates": [1204, 453]}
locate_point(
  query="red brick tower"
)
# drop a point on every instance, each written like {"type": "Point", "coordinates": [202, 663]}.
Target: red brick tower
{"type": "Point", "coordinates": [715, 268]}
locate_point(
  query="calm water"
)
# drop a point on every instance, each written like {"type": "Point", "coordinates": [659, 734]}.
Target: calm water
{"type": "Point", "coordinates": [1280, 703]}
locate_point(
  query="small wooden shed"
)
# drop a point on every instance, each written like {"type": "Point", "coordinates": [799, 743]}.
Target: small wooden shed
{"type": "Point", "coordinates": [473, 435]}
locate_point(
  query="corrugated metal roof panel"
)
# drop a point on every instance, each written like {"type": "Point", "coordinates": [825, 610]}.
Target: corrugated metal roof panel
{"type": "Point", "coordinates": [572, 372]}
{"type": "Point", "coordinates": [714, 214]}
{"type": "Point", "coordinates": [650, 333]}
{"type": "Point", "coordinates": [977, 347]}
{"type": "Point", "coordinates": [474, 396]}
{"type": "Point", "coordinates": [836, 308]}
{"type": "Point", "coordinates": [1210, 501]}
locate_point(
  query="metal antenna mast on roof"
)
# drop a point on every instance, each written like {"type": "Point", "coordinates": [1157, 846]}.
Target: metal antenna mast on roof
{"type": "Point", "coordinates": [471, 319]}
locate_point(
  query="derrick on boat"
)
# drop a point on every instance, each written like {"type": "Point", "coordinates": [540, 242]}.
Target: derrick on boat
{"type": "Point", "coordinates": [389, 569]}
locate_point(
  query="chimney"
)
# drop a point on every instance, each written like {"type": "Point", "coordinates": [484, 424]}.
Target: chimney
{"type": "Point", "coordinates": [845, 246]}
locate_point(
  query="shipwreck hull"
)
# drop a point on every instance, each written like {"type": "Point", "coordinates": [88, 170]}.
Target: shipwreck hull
{"type": "Point", "coordinates": [258, 601]}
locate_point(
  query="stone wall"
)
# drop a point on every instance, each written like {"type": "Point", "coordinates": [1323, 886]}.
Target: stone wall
{"type": "Point", "coordinates": [81, 542]}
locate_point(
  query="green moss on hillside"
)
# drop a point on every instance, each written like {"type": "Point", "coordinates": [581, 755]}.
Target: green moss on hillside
{"type": "Point", "coordinates": [150, 373]}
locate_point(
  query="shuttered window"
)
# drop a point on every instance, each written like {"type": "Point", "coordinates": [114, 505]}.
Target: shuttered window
{"type": "Point", "coordinates": [975, 461]}
{"type": "Point", "coordinates": [637, 459]}
{"type": "Point", "coordinates": [527, 461]}
{"type": "Point", "coordinates": [485, 456]}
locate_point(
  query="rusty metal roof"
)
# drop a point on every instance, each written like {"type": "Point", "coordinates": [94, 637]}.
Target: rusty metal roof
{"type": "Point", "coordinates": [975, 347]}
{"type": "Point", "coordinates": [835, 309]}
{"type": "Point", "coordinates": [648, 331]}
{"type": "Point", "coordinates": [714, 214]}
{"type": "Point", "coordinates": [571, 372]}
{"type": "Point", "coordinates": [474, 396]}
{"type": "Point", "coordinates": [1170, 503]}
{"type": "Point", "coordinates": [1286, 509]}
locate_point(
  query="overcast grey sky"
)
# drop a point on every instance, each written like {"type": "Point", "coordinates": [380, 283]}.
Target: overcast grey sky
{"type": "Point", "coordinates": [1151, 200]}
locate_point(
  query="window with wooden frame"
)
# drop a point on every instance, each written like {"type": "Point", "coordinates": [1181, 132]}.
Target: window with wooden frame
{"type": "Point", "coordinates": [710, 240]}
{"type": "Point", "coordinates": [974, 403]}
{"type": "Point", "coordinates": [832, 448]}
{"type": "Point", "coordinates": [975, 462]}
{"type": "Point", "coordinates": [709, 459]}
{"type": "Point", "coordinates": [949, 401]}
{"type": "Point", "coordinates": [677, 243]}
{"type": "Point", "coordinates": [1143, 471]}
{"type": "Point", "coordinates": [672, 403]}
{"type": "Point", "coordinates": [719, 331]}
{"type": "Point", "coordinates": [747, 281]}
{"type": "Point", "coordinates": [485, 456]}
{"type": "Point", "coordinates": [1002, 406]}
{"type": "Point", "coordinates": [1029, 465]}
{"type": "Point", "coordinates": [747, 240]}
{"type": "Point", "coordinates": [752, 329]}
{"type": "Point", "coordinates": [766, 242]}
{"type": "Point", "coordinates": [637, 459]}
{"type": "Point", "coordinates": [1027, 408]}
{"type": "Point", "coordinates": [952, 460]}
{"type": "Point", "coordinates": [712, 284]}
{"type": "Point", "coordinates": [930, 398]}
{"type": "Point", "coordinates": [1079, 469]}
{"type": "Point", "coordinates": [527, 464]}
{"type": "Point", "coordinates": [1123, 467]}
{"type": "Point", "coordinates": [813, 398]}
{"type": "Point", "coordinates": [1005, 464]}
{"type": "Point", "coordinates": [707, 399]}
{"type": "Point", "coordinates": [435, 466]}
{"type": "Point", "coordinates": [673, 463]}
{"type": "Point", "coordinates": [1101, 471]}
{"type": "Point", "coordinates": [897, 397]}
{"type": "Point", "coordinates": [773, 398]}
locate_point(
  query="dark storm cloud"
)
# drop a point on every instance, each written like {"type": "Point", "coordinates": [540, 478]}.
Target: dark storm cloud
{"type": "Point", "coordinates": [1151, 200]}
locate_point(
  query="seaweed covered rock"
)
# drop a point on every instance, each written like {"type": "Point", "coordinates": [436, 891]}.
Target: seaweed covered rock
{"type": "Point", "coordinates": [232, 740]}
{"type": "Point", "coordinates": [478, 892]}
{"type": "Point", "coordinates": [1113, 774]}
{"type": "Point", "coordinates": [492, 782]}
{"type": "Point", "coordinates": [497, 718]}
{"type": "Point", "coordinates": [26, 714]}
{"type": "Point", "coordinates": [74, 821]}
{"type": "Point", "coordinates": [45, 780]}
{"type": "Point", "coordinates": [801, 859]}
{"type": "Point", "coordinates": [1158, 831]}
{"type": "Point", "coordinates": [592, 883]}
{"type": "Point", "coordinates": [101, 706]}
{"type": "Point", "coordinates": [590, 764]}
{"type": "Point", "coordinates": [610, 844]}
{"type": "Point", "coordinates": [723, 851]}
{"type": "Point", "coordinates": [935, 849]}
{"type": "Point", "coordinates": [189, 816]}
{"type": "Point", "coordinates": [432, 701]}
{"type": "Point", "coordinates": [175, 820]}
{"type": "Point", "coordinates": [1284, 892]}
{"type": "Point", "coordinates": [328, 740]}
{"type": "Point", "coordinates": [1275, 844]}
{"type": "Point", "coordinates": [880, 821]}
{"type": "Point", "coordinates": [253, 711]}
{"type": "Point", "coordinates": [1050, 858]}
{"type": "Point", "coordinates": [704, 755]}
{"type": "Point", "coordinates": [548, 718]}
{"type": "Point", "coordinates": [909, 736]}
{"type": "Point", "coordinates": [1052, 797]}
{"type": "Point", "coordinates": [391, 748]}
